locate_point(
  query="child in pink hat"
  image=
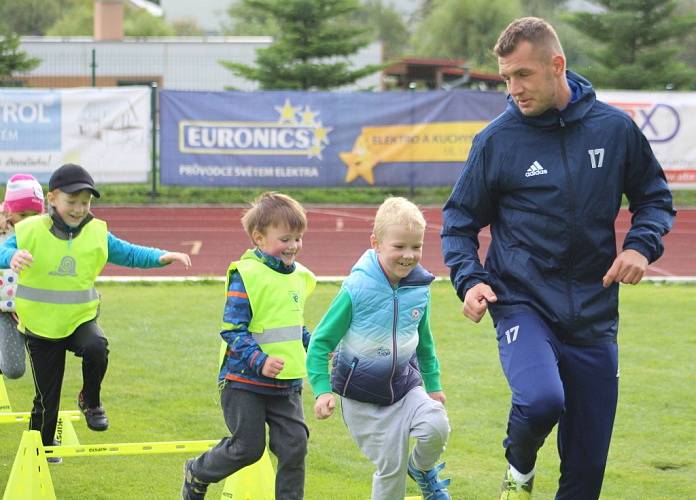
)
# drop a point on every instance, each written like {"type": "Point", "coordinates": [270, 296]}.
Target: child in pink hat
{"type": "Point", "coordinates": [23, 198]}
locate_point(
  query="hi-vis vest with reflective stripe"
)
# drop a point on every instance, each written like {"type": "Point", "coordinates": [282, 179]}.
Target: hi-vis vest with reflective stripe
{"type": "Point", "coordinates": [277, 303]}
{"type": "Point", "coordinates": [56, 294]}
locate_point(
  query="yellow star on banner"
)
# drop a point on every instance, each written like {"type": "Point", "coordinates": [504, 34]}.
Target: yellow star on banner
{"type": "Point", "coordinates": [287, 112]}
{"type": "Point", "coordinates": [321, 133]}
{"type": "Point", "coordinates": [314, 151]}
{"type": "Point", "coordinates": [308, 116]}
{"type": "Point", "coordinates": [360, 162]}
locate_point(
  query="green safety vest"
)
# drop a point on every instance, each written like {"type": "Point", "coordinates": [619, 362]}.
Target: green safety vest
{"type": "Point", "coordinates": [277, 301]}
{"type": "Point", "coordinates": [56, 294]}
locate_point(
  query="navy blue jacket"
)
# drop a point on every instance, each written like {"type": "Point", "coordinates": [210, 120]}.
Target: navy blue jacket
{"type": "Point", "coordinates": [550, 187]}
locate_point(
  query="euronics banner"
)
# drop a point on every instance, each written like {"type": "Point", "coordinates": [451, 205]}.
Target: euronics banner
{"type": "Point", "coordinates": [319, 138]}
{"type": "Point", "coordinates": [668, 120]}
{"type": "Point", "coordinates": [387, 138]}
{"type": "Point", "coordinates": [106, 130]}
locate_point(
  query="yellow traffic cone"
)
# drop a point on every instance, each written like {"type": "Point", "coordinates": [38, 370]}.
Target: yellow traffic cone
{"type": "Point", "coordinates": [4, 400]}
{"type": "Point", "coordinates": [255, 482]}
{"type": "Point", "coordinates": [29, 478]}
{"type": "Point", "coordinates": [65, 431]}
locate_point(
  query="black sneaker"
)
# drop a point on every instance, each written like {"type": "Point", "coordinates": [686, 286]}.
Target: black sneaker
{"type": "Point", "coordinates": [52, 459]}
{"type": "Point", "coordinates": [95, 417]}
{"type": "Point", "coordinates": [193, 488]}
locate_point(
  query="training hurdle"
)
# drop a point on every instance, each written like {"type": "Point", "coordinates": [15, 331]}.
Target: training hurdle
{"type": "Point", "coordinates": [65, 431]}
{"type": "Point", "coordinates": [30, 478]}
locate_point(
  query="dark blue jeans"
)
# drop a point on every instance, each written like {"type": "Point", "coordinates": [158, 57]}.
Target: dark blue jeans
{"type": "Point", "coordinates": [553, 383]}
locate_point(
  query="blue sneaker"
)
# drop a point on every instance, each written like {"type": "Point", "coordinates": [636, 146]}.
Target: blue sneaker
{"type": "Point", "coordinates": [193, 488]}
{"type": "Point", "coordinates": [429, 481]}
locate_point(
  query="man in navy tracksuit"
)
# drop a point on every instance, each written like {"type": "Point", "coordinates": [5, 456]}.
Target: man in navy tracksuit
{"type": "Point", "coordinates": [548, 176]}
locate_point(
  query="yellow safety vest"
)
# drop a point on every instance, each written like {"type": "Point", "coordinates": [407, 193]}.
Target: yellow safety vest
{"type": "Point", "coordinates": [277, 303]}
{"type": "Point", "coordinates": [56, 294]}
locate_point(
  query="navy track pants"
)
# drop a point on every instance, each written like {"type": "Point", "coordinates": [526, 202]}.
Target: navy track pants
{"type": "Point", "coordinates": [553, 383]}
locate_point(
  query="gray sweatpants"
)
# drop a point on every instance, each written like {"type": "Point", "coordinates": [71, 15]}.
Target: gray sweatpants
{"type": "Point", "coordinates": [246, 415]}
{"type": "Point", "coordinates": [12, 352]}
{"type": "Point", "coordinates": [382, 434]}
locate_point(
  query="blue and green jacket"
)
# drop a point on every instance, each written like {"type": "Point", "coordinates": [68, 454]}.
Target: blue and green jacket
{"type": "Point", "coordinates": [382, 334]}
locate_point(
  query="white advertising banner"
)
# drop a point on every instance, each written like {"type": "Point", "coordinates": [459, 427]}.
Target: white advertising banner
{"type": "Point", "coordinates": [106, 130]}
{"type": "Point", "coordinates": [668, 120]}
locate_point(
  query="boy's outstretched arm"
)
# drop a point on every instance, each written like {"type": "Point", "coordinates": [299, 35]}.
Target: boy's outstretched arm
{"type": "Point", "coordinates": [124, 253]}
{"type": "Point", "coordinates": [169, 257]}
{"type": "Point", "coordinates": [331, 329]}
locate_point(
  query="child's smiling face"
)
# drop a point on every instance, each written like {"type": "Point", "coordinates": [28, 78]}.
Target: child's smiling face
{"type": "Point", "coordinates": [399, 250]}
{"type": "Point", "coordinates": [279, 241]}
{"type": "Point", "coordinates": [72, 207]}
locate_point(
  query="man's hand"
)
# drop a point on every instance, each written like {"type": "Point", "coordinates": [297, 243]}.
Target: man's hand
{"type": "Point", "coordinates": [476, 301]}
{"type": "Point", "coordinates": [21, 259]}
{"type": "Point", "coordinates": [324, 406]}
{"type": "Point", "coordinates": [272, 367]}
{"type": "Point", "coordinates": [170, 257]}
{"type": "Point", "coordinates": [629, 267]}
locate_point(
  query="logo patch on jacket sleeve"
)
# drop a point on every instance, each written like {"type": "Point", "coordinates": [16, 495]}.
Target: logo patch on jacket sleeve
{"type": "Point", "coordinates": [415, 314]}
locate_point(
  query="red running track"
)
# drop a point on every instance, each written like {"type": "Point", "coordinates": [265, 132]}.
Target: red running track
{"type": "Point", "coordinates": [337, 236]}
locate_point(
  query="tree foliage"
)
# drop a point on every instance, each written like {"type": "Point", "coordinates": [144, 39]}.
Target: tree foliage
{"type": "Point", "coordinates": [381, 21]}
{"type": "Point", "coordinates": [384, 23]}
{"type": "Point", "coordinates": [465, 29]}
{"type": "Point", "coordinates": [12, 59]}
{"type": "Point", "coordinates": [542, 8]}
{"type": "Point", "coordinates": [638, 44]}
{"type": "Point", "coordinates": [311, 49]}
{"type": "Point", "coordinates": [28, 17]}
{"type": "Point", "coordinates": [247, 20]}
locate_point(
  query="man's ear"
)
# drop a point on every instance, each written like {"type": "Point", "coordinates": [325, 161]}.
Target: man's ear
{"type": "Point", "coordinates": [559, 64]}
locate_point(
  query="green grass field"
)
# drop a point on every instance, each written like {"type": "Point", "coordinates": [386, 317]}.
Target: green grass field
{"type": "Point", "coordinates": [161, 386]}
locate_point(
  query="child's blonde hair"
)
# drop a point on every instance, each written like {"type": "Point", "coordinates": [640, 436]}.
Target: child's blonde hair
{"type": "Point", "coordinates": [274, 209]}
{"type": "Point", "coordinates": [397, 211]}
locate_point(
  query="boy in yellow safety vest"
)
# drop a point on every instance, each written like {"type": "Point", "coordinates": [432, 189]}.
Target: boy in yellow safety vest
{"type": "Point", "coordinates": [58, 256]}
{"type": "Point", "coordinates": [264, 362]}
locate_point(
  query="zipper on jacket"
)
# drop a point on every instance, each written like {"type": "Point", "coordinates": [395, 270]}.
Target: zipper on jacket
{"type": "Point", "coordinates": [353, 364]}
{"type": "Point", "coordinates": [394, 327]}
{"type": "Point", "coordinates": [571, 203]}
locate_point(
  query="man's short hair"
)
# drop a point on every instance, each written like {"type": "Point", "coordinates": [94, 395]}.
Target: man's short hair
{"type": "Point", "coordinates": [397, 211]}
{"type": "Point", "coordinates": [528, 29]}
{"type": "Point", "coordinates": [274, 209]}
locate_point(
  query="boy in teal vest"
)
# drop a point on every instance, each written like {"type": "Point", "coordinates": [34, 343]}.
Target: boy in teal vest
{"type": "Point", "coordinates": [58, 256]}
{"type": "Point", "coordinates": [379, 327]}
{"type": "Point", "coordinates": [264, 361]}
